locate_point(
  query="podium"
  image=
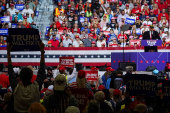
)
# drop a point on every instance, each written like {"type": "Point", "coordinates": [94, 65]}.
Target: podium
{"type": "Point", "coordinates": [151, 45]}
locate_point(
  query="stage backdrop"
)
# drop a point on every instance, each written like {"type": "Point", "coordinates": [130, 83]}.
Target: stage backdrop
{"type": "Point", "coordinates": [142, 59]}
{"type": "Point", "coordinates": [88, 56]}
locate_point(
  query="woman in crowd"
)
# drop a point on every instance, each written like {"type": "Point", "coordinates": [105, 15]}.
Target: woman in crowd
{"type": "Point", "coordinates": [156, 10]}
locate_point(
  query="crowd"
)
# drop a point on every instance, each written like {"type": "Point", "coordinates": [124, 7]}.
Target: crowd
{"type": "Point", "coordinates": [23, 92]}
{"type": "Point", "coordinates": [98, 23]}
{"type": "Point", "coordinates": [16, 14]}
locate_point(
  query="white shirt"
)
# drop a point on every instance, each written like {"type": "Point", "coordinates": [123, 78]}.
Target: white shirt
{"type": "Point", "coordinates": [66, 42]}
{"type": "Point", "coordinates": [99, 44]}
{"type": "Point", "coordinates": [147, 22]}
{"type": "Point", "coordinates": [75, 43]}
{"type": "Point", "coordinates": [12, 11]}
{"type": "Point", "coordinates": [30, 11]}
{"type": "Point", "coordinates": [127, 10]}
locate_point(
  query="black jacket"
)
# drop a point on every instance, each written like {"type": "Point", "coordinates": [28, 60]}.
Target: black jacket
{"type": "Point", "coordinates": [155, 35]}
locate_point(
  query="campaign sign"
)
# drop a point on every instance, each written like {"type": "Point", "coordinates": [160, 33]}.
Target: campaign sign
{"type": "Point", "coordinates": [60, 32]}
{"type": "Point", "coordinates": [82, 19]}
{"type": "Point", "coordinates": [128, 32]}
{"type": "Point", "coordinates": [151, 43]}
{"type": "Point", "coordinates": [81, 94]}
{"type": "Point", "coordinates": [132, 42]}
{"type": "Point", "coordinates": [106, 32]}
{"type": "Point", "coordinates": [14, 25]}
{"type": "Point", "coordinates": [5, 19]}
{"type": "Point", "coordinates": [129, 21]}
{"type": "Point", "coordinates": [3, 31]}
{"type": "Point", "coordinates": [19, 6]}
{"type": "Point", "coordinates": [24, 39]}
{"type": "Point", "coordinates": [91, 75]}
{"type": "Point", "coordinates": [66, 61]}
{"type": "Point", "coordinates": [166, 90]}
{"type": "Point", "coordinates": [141, 84]}
{"type": "Point", "coordinates": [138, 31]}
{"type": "Point", "coordinates": [37, 13]}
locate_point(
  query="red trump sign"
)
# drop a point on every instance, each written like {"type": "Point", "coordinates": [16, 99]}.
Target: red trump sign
{"type": "Point", "coordinates": [66, 61]}
{"type": "Point", "coordinates": [91, 75]}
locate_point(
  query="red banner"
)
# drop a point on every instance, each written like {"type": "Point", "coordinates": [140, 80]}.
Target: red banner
{"type": "Point", "coordinates": [132, 42]}
{"type": "Point", "coordinates": [127, 32]}
{"type": "Point", "coordinates": [66, 61]}
{"type": "Point", "coordinates": [82, 96]}
{"type": "Point", "coordinates": [91, 75]}
{"type": "Point", "coordinates": [106, 32]}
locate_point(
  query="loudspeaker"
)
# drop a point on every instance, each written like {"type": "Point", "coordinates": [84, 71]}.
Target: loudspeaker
{"type": "Point", "coordinates": [2, 66]}
{"type": "Point", "coordinates": [79, 67]}
{"type": "Point", "coordinates": [123, 65]}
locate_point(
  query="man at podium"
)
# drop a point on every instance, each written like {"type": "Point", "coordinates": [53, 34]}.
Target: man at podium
{"type": "Point", "coordinates": [151, 35]}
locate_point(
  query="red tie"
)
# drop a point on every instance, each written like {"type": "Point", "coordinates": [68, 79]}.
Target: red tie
{"type": "Point", "coordinates": [151, 36]}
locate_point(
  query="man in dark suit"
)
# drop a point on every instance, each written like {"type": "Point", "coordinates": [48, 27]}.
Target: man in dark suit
{"type": "Point", "coordinates": [151, 35]}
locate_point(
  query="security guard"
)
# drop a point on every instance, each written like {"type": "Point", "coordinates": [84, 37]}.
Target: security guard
{"type": "Point", "coordinates": [58, 10]}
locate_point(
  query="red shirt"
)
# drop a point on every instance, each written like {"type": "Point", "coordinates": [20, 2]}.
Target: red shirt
{"type": "Point", "coordinates": [121, 36]}
{"type": "Point", "coordinates": [136, 11]}
{"type": "Point", "coordinates": [161, 6]}
{"type": "Point", "coordinates": [155, 12]}
{"type": "Point", "coordinates": [33, 78]}
{"type": "Point", "coordinates": [146, 13]}
{"type": "Point", "coordinates": [4, 80]}
{"type": "Point", "coordinates": [78, 30]}
{"type": "Point", "coordinates": [58, 25]}
{"type": "Point", "coordinates": [157, 1]}
{"type": "Point", "coordinates": [55, 43]}
{"type": "Point", "coordinates": [160, 15]}
{"type": "Point", "coordinates": [62, 28]}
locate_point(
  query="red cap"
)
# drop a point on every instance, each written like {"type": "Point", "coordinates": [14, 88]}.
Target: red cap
{"type": "Point", "coordinates": [116, 92]}
{"type": "Point", "coordinates": [69, 5]}
{"type": "Point", "coordinates": [77, 36]}
{"type": "Point", "coordinates": [11, 4]}
{"type": "Point", "coordinates": [144, 24]}
{"type": "Point", "coordinates": [109, 69]}
{"type": "Point", "coordinates": [141, 37]}
{"type": "Point", "coordinates": [137, 18]}
{"type": "Point", "coordinates": [93, 42]}
{"type": "Point", "coordinates": [62, 68]}
{"type": "Point", "coordinates": [72, 0]}
{"type": "Point", "coordinates": [81, 74]}
{"type": "Point", "coordinates": [146, 4]}
{"type": "Point", "coordinates": [91, 34]}
{"type": "Point", "coordinates": [63, 23]}
{"type": "Point", "coordinates": [154, 22]}
{"type": "Point", "coordinates": [147, 16]}
{"type": "Point", "coordinates": [101, 30]}
{"type": "Point", "coordinates": [163, 14]}
{"type": "Point", "coordinates": [92, 29]}
{"type": "Point", "coordinates": [120, 2]}
{"type": "Point", "coordinates": [164, 22]}
{"type": "Point", "coordinates": [68, 28]}
{"type": "Point", "coordinates": [151, 10]}
{"type": "Point", "coordinates": [95, 17]}
{"type": "Point", "coordinates": [59, 3]}
{"type": "Point", "coordinates": [62, 0]}
{"type": "Point", "coordinates": [25, 17]}
{"type": "Point", "coordinates": [101, 87]}
{"type": "Point", "coordinates": [94, 69]}
{"type": "Point", "coordinates": [127, 5]}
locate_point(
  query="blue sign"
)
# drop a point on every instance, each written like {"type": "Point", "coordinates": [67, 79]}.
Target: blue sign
{"type": "Point", "coordinates": [19, 6]}
{"type": "Point", "coordinates": [5, 19]}
{"type": "Point", "coordinates": [3, 31]}
{"type": "Point", "coordinates": [141, 84]}
{"type": "Point", "coordinates": [14, 25]}
{"type": "Point", "coordinates": [24, 39]}
{"type": "Point", "coordinates": [138, 31]}
{"type": "Point", "coordinates": [151, 43]}
{"type": "Point", "coordinates": [37, 13]}
{"type": "Point", "coordinates": [82, 19]}
{"type": "Point", "coordinates": [129, 21]}
{"type": "Point", "coordinates": [47, 28]}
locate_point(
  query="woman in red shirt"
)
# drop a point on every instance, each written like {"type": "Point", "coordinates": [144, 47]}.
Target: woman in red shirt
{"type": "Point", "coordinates": [75, 26]}
{"type": "Point", "coordinates": [63, 26]}
{"type": "Point", "coordinates": [146, 9]}
{"type": "Point", "coordinates": [156, 11]}
{"type": "Point", "coordinates": [121, 36]}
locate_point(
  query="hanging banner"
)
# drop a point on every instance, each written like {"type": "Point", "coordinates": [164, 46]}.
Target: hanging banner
{"type": "Point", "coordinates": [129, 21]}
{"type": "Point", "coordinates": [19, 7]}
{"type": "Point", "coordinates": [132, 42]}
{"type": "Point", "coordinates": [5, 19]}
{"type": "Point", "coordinates": [3, 31]}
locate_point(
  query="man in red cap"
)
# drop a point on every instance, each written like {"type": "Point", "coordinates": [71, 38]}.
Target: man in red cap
{"type": "Point", "coordinates": [156, 28]}
{"type": "Point", "coordinates": [88, 41]}
{"type": "Point", "coordinates": [147, 21]}
{"type": "Point", "coordinates": [121, 6]}
{"type": "Point", "coordinates": [162, 5]}
{"type": "Point", "coordinates": [163, 14]}
{"type": "Point", "coordinates": [11, 9]}
{"type": "Point", "coordinates": [76, 42]}
{"type": "Point", "coordinates": [93, 44]}
{"type": "Point", "coordinates": [136, 10]}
